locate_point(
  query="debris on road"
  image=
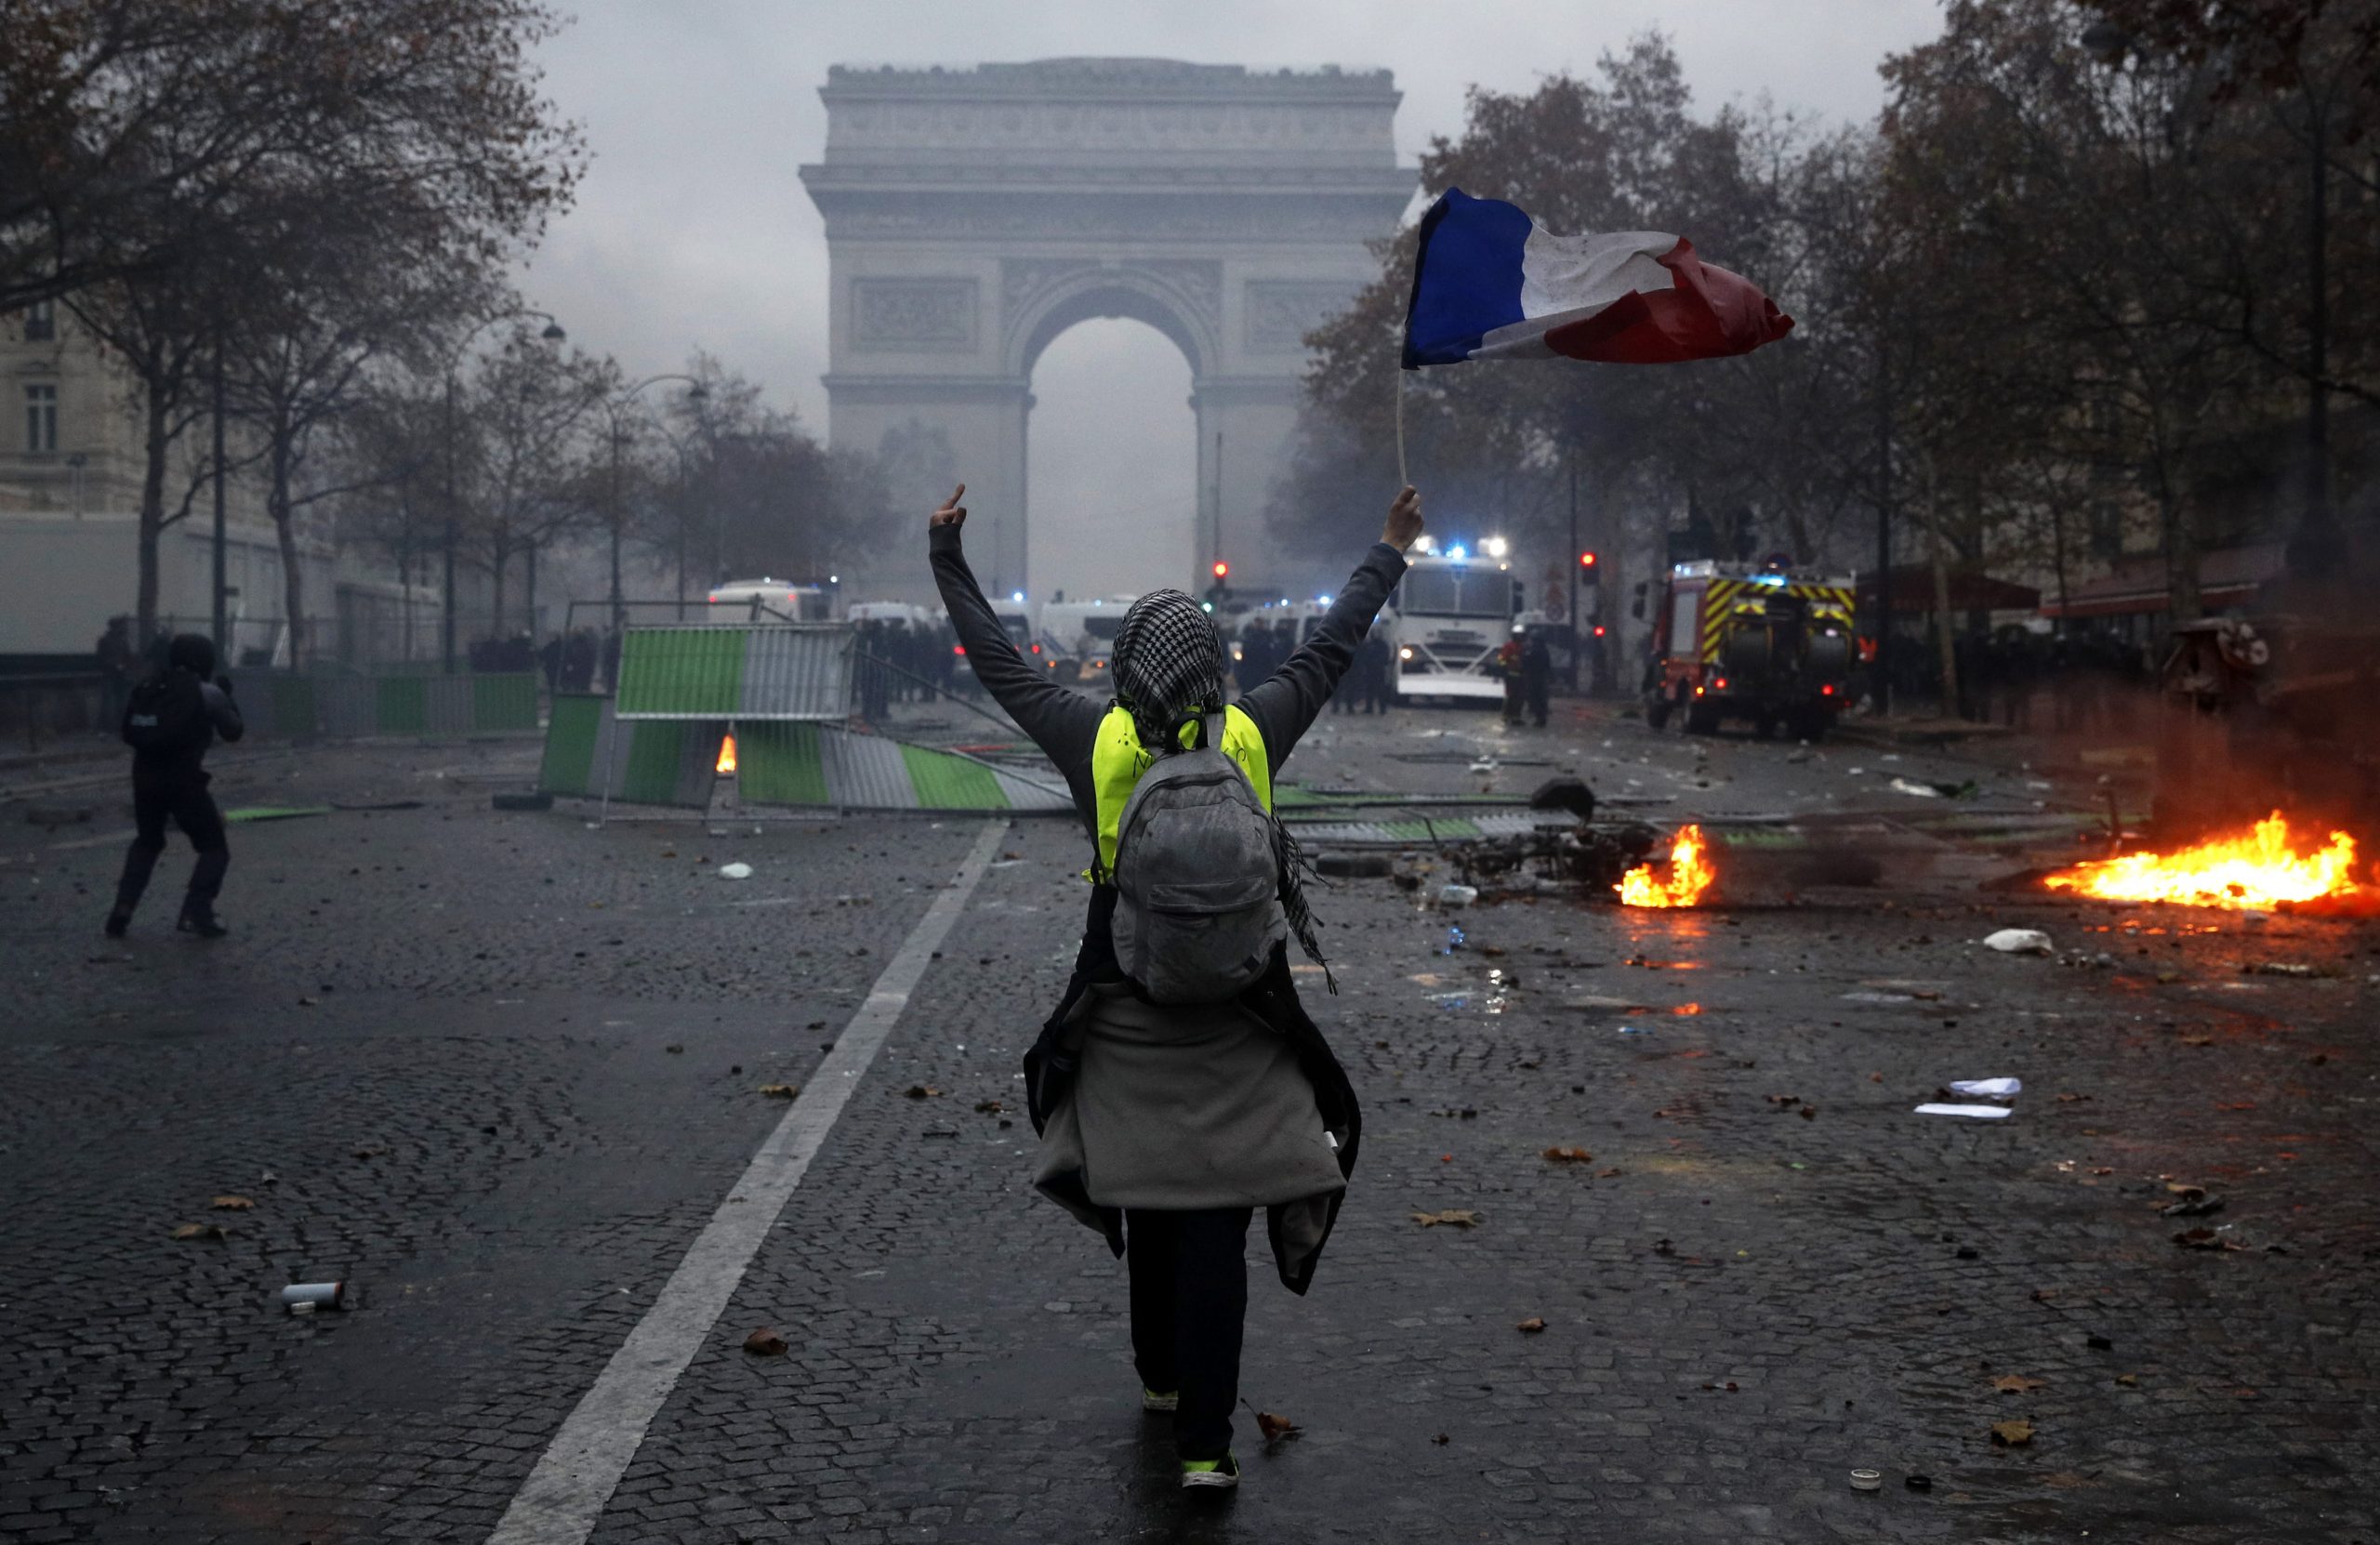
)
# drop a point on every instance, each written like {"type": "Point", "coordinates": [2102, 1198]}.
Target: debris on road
{"type": "Point", "coordinates": [1452, 1218]}
{"type": "Point", "coordinates": [765, 1342]}
{"type": "Point", "coordinates": [1867, 1480]}
{"type": "Point", "coordinates": [2189, 1201]}
{"type": "Point", "coordinates": [1981, 1112]}
{"type": "Point", "coordinates": [202, 1231]}
{"type": "Point", "coordinates": [1457, 896]}
{"type": "Point", "coordinates": [780, 1091]}
{"type": "Point", "coordinates": [310, 1296]}
{"type": "Point", "coordinates": [2013, 1434]}
{"type": "Point", "coordinates": [735, 871]}
{"type": "Point", "coordinates": [1276, 1427]}
{"type": "Point", "coordinates": [2016, 1383]}
{"type": "Point", "coordinates": [231, 1204]}
{"type": "Point", "coordinates": [1531, 1326]}
{"type": "Point", "coordinates": [2018, 941]}
{"type": "Point", "coordinates": [1567, 1155]}
{"type": "Point", "coordinates": [2203, 1238]}
{"type": "Point", "coordinates": [1993, 1089]}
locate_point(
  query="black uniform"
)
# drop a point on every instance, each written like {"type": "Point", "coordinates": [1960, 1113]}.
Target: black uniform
{"type": "Point", "coordinates": [1375, 666]}
{"type": "Point", "coordinates": [170, 784]}
{"type": "Point", "coordinates": [1537, 674]}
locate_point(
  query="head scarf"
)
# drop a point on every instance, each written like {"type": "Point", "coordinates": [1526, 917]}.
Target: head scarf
{"type": "Point", "coordinates": [1167, 662]}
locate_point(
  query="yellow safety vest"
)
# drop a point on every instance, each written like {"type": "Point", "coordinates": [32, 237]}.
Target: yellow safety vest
{"type": "Point", "coordinates": [1118, 759]}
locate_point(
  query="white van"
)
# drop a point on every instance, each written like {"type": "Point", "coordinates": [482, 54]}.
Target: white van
{"type": "Point", "coordinates": [766, 599]}
{"type": "Point", "coordinates": [1081, 634]}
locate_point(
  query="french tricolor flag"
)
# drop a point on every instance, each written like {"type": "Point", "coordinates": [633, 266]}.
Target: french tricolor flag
{"type": "Point", "coordinates": [1491, 284]}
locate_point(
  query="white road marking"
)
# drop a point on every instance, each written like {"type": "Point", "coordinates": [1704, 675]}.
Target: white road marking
{"type": "Point", "coordinates": [565, 1494]}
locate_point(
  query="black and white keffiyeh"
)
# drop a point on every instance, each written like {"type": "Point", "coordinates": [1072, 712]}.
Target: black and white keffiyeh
{"type": "Point", "coordinates": [1167, 662]}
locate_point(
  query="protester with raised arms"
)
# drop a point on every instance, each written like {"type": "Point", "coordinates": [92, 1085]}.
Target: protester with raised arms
{"type": "Point", "coordinates": [1180, 1084]}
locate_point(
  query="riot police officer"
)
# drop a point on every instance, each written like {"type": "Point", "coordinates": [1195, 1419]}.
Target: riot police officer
{"type": "Point", "coordinates": [173, 715]}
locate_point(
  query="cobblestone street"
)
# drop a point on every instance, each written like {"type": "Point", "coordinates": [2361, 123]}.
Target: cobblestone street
{"type": "Point", "coordinates": [499, 1070]}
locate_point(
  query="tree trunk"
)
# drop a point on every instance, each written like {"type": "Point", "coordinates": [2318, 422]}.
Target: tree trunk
{"type": "Point", "coordinates": [404, 560]}
{"type": "Point", "coordinates": [499, 554]}
{"type": "Point", "coordinates": [285, 530]}
{"type": "Point", "coordinates": [1941, 597]}
{"type": "Point", "coordinates": [151, 523]}
{"type": "Point", "coordinates": [2182, 557]}
{"type": "Point", "coordinates": [529, 588]}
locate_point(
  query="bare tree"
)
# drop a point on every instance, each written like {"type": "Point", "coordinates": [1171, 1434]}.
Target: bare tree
{"type": "Point", "coordinates": [171, 158]}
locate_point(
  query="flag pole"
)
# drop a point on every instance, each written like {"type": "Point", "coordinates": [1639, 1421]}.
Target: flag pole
{"type": "Point", "coordinates": [1402, 480]}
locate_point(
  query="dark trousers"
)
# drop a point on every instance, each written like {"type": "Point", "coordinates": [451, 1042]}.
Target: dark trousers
{"type": "Point", "coordinates": [1189, 1298]}
{"type": "Point", "coordinates": [180, 798]}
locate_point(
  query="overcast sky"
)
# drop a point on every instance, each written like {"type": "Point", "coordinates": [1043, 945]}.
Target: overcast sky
{"type": "Point", "coordinates": [691, 229]}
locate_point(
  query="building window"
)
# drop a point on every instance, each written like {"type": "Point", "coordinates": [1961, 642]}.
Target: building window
{"type": "Point", "coordinates": [41, 416]}
{"type": "Point", "coordinates": [41, 322]}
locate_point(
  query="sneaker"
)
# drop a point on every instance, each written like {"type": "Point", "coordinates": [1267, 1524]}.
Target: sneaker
{"type": "Point", "coordinates": [1152, 1401]}
{"type": "Point", "coordinates": [1218, 1474]}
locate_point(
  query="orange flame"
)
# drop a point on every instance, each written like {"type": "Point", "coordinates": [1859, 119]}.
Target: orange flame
{"type": "Point", "coordinates": [2256, 871]}
{"type": "Point", "coordinates": [1690, 875]}
{"type": "Point", "coordinates": [726, 755]}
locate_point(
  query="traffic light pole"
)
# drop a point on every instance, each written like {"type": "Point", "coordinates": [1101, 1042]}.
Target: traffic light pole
{"type": "Point", "coordinates": [1577, 632]}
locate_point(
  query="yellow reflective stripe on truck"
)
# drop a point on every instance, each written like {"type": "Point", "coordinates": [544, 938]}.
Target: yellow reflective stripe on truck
{"type": "Point", "coordinates": [1717, 602]}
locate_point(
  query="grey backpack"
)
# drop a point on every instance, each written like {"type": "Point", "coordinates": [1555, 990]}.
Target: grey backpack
{"type": "Point", "coordinates": [1197, 879]}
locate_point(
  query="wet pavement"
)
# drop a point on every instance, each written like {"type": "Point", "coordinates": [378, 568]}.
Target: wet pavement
{"type": "Point", "coordinates": [501, 1069]}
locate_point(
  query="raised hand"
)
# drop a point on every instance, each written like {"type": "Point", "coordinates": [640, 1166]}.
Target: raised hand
{"type": "Point", "coordinates": [1404, 520]}
{"type": "Point", "coordinates": [953, 513]}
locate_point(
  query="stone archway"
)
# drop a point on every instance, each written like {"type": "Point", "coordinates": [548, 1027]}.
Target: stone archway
{"type": "Point", "coordinates": [972, 215]}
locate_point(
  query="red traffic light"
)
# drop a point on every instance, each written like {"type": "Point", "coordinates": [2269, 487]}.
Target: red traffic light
{"type": "Point", "coordinates": [1598, 630]}
{"type": "Point", "coordinates": [1586, 560]}
{"type": "Point", "coordinates": [1223, 570]}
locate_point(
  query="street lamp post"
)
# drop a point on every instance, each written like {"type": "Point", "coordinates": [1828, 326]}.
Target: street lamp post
{"type": "Point", "coordinates": [553, 334]}
{"type": "Point", "coordinates": [695, 392]}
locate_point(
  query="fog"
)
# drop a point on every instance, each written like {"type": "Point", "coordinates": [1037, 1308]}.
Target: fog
{"type": "Point", "coordinates": [691, 229]}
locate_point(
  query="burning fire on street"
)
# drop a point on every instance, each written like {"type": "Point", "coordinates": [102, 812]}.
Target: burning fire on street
{"type": "Point", "coordinates": [1690, 874]}
{"type": "Point", "coordinates": [2253, 871]}
{"type": "Point", "coordinates": [726, 755]}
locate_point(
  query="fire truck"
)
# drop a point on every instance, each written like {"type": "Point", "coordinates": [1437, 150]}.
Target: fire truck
{"type": "Point", "coordinates": [1760, 643]}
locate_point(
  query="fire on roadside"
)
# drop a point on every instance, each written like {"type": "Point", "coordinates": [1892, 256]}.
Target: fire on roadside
{"type": "Point", "coordinates": [2255, 870]}
{"type": "Point", "coordinates": [726, 755]}
{"type": "Point", "coordinates": [1689, 875]}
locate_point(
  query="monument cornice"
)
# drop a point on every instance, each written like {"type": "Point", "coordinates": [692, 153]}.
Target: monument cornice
{"type": "Point", "coordinates": [1206, 177]}
{"type": "Point", "coordinates": [1108, 79]}
{"type": "Point", "coordinates": [1270, 215]}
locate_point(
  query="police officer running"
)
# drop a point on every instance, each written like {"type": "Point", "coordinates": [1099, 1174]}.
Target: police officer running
{"type": "Point", "coordinates": [173, 717]}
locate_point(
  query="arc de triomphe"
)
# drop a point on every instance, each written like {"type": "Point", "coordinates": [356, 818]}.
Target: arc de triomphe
{"type": "Point", "coordinates": [975, 215]}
